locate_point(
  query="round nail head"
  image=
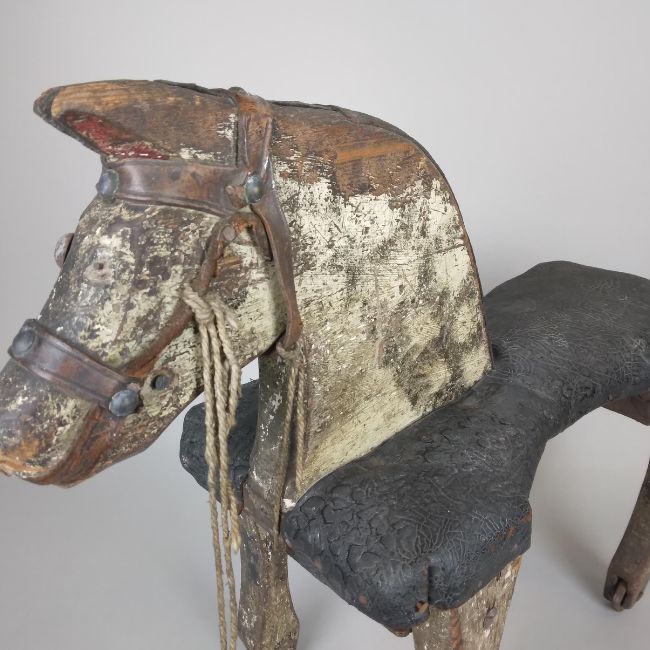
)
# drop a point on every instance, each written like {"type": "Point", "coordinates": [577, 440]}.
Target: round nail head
{"type": "Point", "coordinates": [62, 248]}
{"type": "Point", "coordinates": [107, 184]}
{"type": "Point", "coordinates": [124, 402]}
{"type": "Point", "coordinates": [23, 342]}
{"type": "Point", "coordinates": [253, 188]}
{"type": "Point", "coordinates": [229, 233]}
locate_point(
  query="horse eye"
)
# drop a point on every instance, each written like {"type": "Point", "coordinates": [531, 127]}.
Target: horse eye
{"type": "Point", "coordinates": [62, 247]}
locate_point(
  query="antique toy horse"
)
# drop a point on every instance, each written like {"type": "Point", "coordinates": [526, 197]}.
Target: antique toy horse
{"type": "Point", "coordinates": [393, 436]}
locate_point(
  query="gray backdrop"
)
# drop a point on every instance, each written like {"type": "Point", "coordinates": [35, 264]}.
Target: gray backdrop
{"type": "Point", "coordinates": [537, 113]}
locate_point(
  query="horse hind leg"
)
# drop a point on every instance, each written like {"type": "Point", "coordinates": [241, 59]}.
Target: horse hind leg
{"type": "Point", "coordinates": [629, 571]}
{"type": "Point", "coordinates": [478, 624]}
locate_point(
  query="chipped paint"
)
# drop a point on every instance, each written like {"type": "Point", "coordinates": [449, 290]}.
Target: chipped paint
{"type": "Point", "coordinates": [120, 285]}
{"type": "Point", "coordinates": [391, 307]}
{"type": "Point", "coordinates": [196, 155]}
{"type": "Point", "coordinates": [478, 623]}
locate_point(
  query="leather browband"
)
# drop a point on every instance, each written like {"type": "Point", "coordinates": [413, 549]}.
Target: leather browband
{"type": "Point", "coordinates": [50, 358]}
{"type": "Point", "coordinates": [172, 182]}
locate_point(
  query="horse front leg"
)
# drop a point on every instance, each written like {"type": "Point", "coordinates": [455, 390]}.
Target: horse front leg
{"type": "Point", "coordinates": [477, 624]}
{"type": "Point", "coordinates": [267, 619]}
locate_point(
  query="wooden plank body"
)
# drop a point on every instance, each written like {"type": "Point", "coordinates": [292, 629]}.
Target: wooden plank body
{"type": "Point", "coordinates": [385, 276]}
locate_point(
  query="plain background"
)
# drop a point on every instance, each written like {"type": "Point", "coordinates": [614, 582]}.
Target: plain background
{"type": "Point", "coordinates": [539, 115]}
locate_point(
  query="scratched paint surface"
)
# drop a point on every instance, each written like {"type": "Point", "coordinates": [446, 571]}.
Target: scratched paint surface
{"type": "Point", "coordinates": [389, 297]}
{"type": "Point", "coordinates": [121, 283]}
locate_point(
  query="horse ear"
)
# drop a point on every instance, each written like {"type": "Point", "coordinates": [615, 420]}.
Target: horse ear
{"type": "Point", "coordinates": [144, 119]}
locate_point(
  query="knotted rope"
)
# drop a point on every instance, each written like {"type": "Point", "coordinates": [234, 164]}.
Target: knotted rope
{"type": "Point", "coordinates": [222, 386]}
{"type": "Point", "coordinates": [221, 381]}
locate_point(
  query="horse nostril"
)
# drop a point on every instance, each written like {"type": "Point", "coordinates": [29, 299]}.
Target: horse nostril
{"type": "Point", "coordinates": [160, 382]}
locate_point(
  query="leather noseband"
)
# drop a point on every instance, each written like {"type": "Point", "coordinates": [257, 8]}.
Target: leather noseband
{"type": "Point", "coordinates": [54, 360]}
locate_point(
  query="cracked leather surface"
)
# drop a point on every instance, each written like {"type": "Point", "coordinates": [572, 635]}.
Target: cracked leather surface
{"type": "Point", "coordinates": [434, 513]}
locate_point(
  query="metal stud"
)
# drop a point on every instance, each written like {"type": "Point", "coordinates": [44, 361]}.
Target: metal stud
{"type": "Point", "coordinates": [124, 402]}
{"type": "Point", "coordinates": [108, 184]}
{"type": "Point", "coordinates": [253, 188]}
{"type": "Point", "coordinates": [62, 248]}
{"type": "Point", "coordinates": [23, 343]}
{"type": "Point", "coordinates": [228, 233]}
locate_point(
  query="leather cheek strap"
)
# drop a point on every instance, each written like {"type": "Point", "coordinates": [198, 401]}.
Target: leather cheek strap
{"type": "Point", "coordinates": [253, 152]}
{"type": "Point", "coordinates": [76, 373]}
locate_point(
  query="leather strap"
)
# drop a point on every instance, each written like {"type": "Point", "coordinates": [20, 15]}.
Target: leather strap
{"type": "Point", "coordinates": [254, 144]}
{"type": "Point", "coordinates": [48, 357]}
{"type": "Point", "coordinates": [173, 182]}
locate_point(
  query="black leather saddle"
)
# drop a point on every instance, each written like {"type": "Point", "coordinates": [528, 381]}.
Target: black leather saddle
{"type": "Point", "coordinates": [434, 513]}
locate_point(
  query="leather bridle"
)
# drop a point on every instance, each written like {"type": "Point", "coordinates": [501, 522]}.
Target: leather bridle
{"type": "Point", "coordinates": [242, 195]}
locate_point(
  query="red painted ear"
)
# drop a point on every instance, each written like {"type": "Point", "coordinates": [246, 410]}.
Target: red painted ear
{"type": "Point", "coordinates": [88, 112]}
{"type": "Point", "coordinates": [110, 139]}
{"type": "Point", "coordinates": [144, 119]}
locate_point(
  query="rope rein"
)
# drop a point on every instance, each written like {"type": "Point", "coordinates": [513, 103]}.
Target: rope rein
{"type": "Point", "coordinates": [221, 381]}
{"type": "Point", "coordinates": [222, 386]}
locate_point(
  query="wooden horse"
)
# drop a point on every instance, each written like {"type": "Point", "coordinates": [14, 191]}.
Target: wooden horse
{"type": "Point", "coordinates": [336, 248]}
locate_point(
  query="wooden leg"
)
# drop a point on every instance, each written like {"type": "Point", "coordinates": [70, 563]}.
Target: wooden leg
{"type": "Point", "coordinates": [629, 571]}
{"type": "Point", "coordinates": [637, 408]}
{"type": "Point", "coordinates": [476, 625]}
{"type": "Point", "coordinates": [267, 619]}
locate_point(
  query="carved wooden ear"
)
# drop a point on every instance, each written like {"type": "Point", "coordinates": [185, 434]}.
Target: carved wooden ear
{"type": "Point", "coordinates": [144, 119]}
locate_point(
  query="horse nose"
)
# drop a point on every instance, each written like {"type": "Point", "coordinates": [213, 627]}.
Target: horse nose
{"type": "Point", "coordinates": [11, 456]}
{"type": "Point", "coordinates": [37, 423]}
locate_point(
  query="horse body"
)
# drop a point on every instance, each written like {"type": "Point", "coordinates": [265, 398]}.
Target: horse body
{"type": "Point", "coordinates": [335, 243]}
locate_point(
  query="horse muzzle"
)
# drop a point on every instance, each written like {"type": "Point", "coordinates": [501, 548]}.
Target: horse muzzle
{"type": "Point", "coordinates": [39, 424]}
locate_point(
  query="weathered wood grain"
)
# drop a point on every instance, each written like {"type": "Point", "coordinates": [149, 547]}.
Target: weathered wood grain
{"type": "Point", "coordinates": [267, 619]}
{"type": "Point", "coordinates": [131, 119]}
{"type": "Point", "coordinates": [120, 285]}
{"type": "Point", "coordinates": [629, 571]}
{"type": "Point", "coordinates": [637, 407]}
{"type": "Point", "coordinates": [476, 625]}
{"type": "Point", "coordinates": [385, 278]}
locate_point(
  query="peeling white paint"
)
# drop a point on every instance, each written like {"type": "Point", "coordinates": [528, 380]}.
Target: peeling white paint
{"type": "Point", "coordinates": [378, 273]}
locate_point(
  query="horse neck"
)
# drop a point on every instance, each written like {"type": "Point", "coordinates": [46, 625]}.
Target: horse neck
{"type": "Point", "coordinates": [389, 297]}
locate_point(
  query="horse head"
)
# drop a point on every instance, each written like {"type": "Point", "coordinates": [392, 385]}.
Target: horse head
{"type": "Point", "coordinates": [300, 218]}
{"type": "Point", "coordinates": [112, 358]}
